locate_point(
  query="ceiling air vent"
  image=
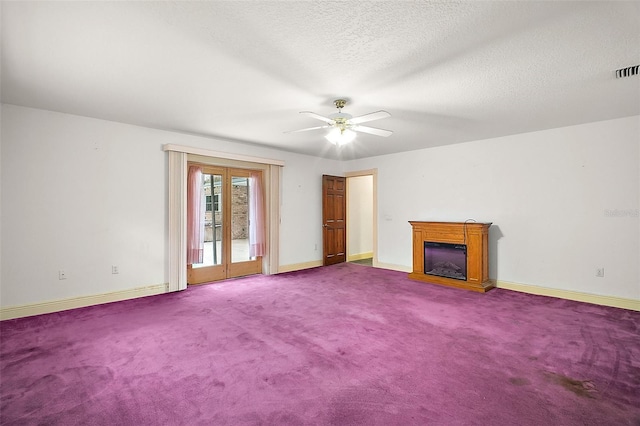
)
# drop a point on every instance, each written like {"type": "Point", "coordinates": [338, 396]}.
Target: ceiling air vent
{"type": "Point", "coordinates": [627, 72]}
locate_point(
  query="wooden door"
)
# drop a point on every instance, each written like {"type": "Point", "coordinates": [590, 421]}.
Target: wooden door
{"type": "Point", "coordinates": [334, 231]}
{"type": "Point", "coordinates": [213, 267]}
{"type": "Point", "coordinates": [239, 260]}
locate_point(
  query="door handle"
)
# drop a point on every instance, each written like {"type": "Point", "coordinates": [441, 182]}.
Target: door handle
{"type": "Point", "coordinates": [325, 225]}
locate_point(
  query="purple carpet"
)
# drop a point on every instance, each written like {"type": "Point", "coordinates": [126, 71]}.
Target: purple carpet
{"type": "Point", "coordinates": [343, 345]}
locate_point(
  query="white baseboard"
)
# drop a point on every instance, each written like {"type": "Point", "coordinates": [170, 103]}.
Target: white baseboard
{"type": "Point", "coordinates": [299, 266]}
{"type": "Point", "coordinates": [83, 301]}
{"type": "Point", "coordinates": [616, 302]}
{"type": "Point", "coordinates": [316, 263]}
{"type": "Point", "coordinates": [359, 256]}
{"type": "Point", "coordinates": [80, 302]}
{"type": "Point", "coordinates": [391, 266]}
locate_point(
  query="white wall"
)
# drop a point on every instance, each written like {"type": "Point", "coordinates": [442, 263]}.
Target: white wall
{"type": "Point", "coordinates": [563, 202]}
{"type": "Point", "coordinates": [82, 194]}
{"type": "Point", "coordinates": [301, 214]}
{"type": "Point", "coordinates": [359, 215]}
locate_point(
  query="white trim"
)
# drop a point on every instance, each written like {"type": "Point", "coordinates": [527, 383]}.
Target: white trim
{"type": "Point", "coordinates": [299, 266]}
{"type": "Point", "coordinates": [81, 302]}
{"type": "Point", "coordinates": [274, 179]}
{"type": "Point", "coordinates": [177, 221]}
{"type": "Point", "coordinates": [218, 154]}
{"type": "Point", "coordinates": [359, 173]}
{"type": "Point", "coordinates": [178, 211]}
{"type": "Point", "coordinates": [616, 302]}
{"type": "Point", "coordinates": [392, 267]}
{"type": "Point", "coordinates": [359, 256]}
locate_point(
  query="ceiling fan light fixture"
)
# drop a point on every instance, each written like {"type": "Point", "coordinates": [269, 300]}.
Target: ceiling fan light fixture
{"type": "Point", "coordinates": [344, 126]}
{"type": "Point", "coordinates": [340, 137]}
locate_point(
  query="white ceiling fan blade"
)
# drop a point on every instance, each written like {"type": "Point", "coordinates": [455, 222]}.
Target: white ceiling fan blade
{"type": "Point", "coordinates": [372, 131]}
{"type": "Point", "coordinates": [318, 117]}
{"type": "Point", "coordinates": [308, 128]}
{"type": "Point", "coordinates": [370, 117]}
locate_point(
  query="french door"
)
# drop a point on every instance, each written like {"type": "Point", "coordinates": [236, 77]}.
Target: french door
{"type": "Point", "coordinates": [225, 197]}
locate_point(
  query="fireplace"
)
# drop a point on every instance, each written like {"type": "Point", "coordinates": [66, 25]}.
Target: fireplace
{"type": "Point", "coordinates": [454, 254]}
{"type": "Point", "coordinates": [445, 260]}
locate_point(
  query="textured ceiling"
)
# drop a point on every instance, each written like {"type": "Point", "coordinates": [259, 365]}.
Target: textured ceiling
{"type": "Point", "coordinates": [448, 72]}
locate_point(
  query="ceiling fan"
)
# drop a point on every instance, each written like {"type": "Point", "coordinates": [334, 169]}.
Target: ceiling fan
{"type": "Point", "coordinates": [343, 126]}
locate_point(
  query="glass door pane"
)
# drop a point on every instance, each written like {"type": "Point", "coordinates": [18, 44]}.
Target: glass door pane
{"type": "Point", "coordinates": [240, 219]}
{"type": "Point", "coordinates": [213, 216]}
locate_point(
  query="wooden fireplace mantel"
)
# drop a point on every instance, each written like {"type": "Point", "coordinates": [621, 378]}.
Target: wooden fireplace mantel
{"type": "Point", "coordinates": [474, 235]}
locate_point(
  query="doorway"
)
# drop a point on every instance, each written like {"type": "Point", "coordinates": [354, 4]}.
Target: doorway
{"type": "Point", "coordinates": [225, 210]}
{"type": "Point", "coordinates": [362, 217]}
{"type": "Point", "coordinates": [349, 215]}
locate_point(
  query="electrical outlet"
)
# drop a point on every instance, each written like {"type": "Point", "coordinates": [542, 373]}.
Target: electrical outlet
{"type": "Point", "coordinates": [315, 247]}
{"type": "Point", "coordinates": [114, 269]}
{"type": "Point", "coordinates": [62, 275]}
{"type": "Point", "coordinates": [600, 272]}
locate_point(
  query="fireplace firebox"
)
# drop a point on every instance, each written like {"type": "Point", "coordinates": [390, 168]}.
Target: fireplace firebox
{"type": "Point", "coordinates": [445, 260]}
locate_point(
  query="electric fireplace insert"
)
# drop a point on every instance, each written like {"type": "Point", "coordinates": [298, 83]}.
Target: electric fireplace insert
{"type": "Point", "coordinates": [445, 260]}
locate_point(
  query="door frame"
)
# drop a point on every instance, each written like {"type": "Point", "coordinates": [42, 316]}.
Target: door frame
{"type": "Point", "coordinates": [374, 174]}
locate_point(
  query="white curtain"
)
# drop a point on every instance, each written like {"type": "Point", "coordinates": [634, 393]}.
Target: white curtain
{"type": "Point", "coordinates": [256, 215]}
{"type": "Point", "coordinates": [195, 216]}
